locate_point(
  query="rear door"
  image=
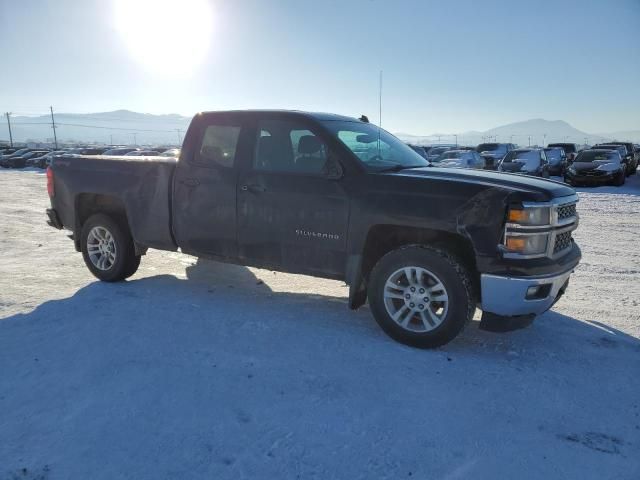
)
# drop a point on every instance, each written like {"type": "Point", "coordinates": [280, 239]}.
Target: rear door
{"type": "Point", "coordinates": [291, 216]}
{"type": "Point", "coordinates": [205, 185]}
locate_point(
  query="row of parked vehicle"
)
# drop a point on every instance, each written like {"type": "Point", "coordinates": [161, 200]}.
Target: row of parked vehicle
{"type": "Point", "coordinates": [41, 157]}
{"type": "Point", "coordinates": [605, 163]}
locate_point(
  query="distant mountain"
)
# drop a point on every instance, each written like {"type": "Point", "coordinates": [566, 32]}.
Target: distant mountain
{"type": "Point", "coordinates": [127, 127]}
{"type": "Point", "coordinates": [535, 131]}
{"type": "Point", "coordinates": [117, 127]}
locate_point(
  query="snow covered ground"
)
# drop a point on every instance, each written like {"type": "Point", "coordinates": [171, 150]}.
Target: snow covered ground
{"type": "Point", "coordinates": [194, 369]}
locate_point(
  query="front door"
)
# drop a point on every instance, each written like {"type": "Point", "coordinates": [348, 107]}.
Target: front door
{"type": "Point", "coordinates": [291, 216]}
{"type": "Point", "coordinates": [205, 186]}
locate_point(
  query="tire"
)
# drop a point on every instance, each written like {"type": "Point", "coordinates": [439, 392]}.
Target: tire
{"type": "Point", "coordinates": [620, 180]}
{"type": "Point", "coordinates": [112, 256]}
{"type": "Point", "coordinates": [427, 267]}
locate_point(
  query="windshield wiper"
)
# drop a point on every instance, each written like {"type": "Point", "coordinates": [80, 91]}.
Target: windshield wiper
{"type": "Point", "coordinates": [397, 168]}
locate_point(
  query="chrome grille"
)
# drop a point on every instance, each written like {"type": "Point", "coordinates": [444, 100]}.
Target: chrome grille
{"type": "Point", "coordinates": [566, 211]}
{"type": "Point", "coordinates": [563, 241]}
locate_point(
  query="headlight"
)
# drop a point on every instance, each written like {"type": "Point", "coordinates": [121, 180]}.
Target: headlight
{"type": "Point", "coordinates": [534, 244]}
{"type": "Point", "coordinates": [531, 216]}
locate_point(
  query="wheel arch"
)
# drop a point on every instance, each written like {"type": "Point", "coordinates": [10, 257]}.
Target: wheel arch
{"type": "Point", "coordinates": [384, 238]}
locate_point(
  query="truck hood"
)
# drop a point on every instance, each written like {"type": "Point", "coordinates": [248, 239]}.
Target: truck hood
{"type": "Point", "coordinates": [547, 189]}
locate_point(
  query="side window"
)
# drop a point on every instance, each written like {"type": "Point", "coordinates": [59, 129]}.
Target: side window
{"type": "Point", "coordinates": [219, 144]}
{"type": "Point", "coordinates": [287, 146]}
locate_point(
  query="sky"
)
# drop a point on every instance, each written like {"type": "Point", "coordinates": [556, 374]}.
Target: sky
{"type": "Point", "coordinates": [448, 66]}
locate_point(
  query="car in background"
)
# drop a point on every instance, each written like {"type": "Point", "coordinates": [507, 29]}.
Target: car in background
{"type": "Point", "coordinates": [16, 153]}
{"type": "Point", "coordinates": [171, 152]}
{"type": "Point", "coordinates": [7, 151]}
{"type": "Point", "coordinates": [632, 155]}
{"type": "Point", "coordinates": [460, 159]}
{"type": "Point", "coordinates": [529, 161]}
{"type": "Point", "coordinates": [493, 153]}
{"type": "Point", "coordinates": [115, 152]}
{"type": "Point", "coordinates": [570, 149]}
{"type": "Point", "coordinates": [45, 160]}
{"type": "Point", "coordinates": [143, 153]}
{"type": "Point", "coordinates": [596, 167]}
{"type": "Point", "coordinates": [437, 150]}
{"type": "Point", "coordinates": [557, 159]}
{"type": "Point", "coordinates": [419, 149]}
{"type": "Point", "coordinates": [20, 161]}
{"type": "Point", "coordinates": [626, 158]}
{"type": "Point", "coordinates": [38, 160]}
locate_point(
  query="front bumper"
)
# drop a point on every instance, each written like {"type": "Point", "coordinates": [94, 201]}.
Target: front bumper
{"type": "Point", "coordinates": [586, 179]}
{"type": "Point", "coordinates": [511, 296]}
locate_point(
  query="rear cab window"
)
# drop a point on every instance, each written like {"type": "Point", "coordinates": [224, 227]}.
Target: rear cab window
{"type": "Point", "coordinates": [219, 145]}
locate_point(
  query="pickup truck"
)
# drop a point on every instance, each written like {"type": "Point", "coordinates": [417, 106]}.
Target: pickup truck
{"type": "Point", "coordinates": [332, 197]}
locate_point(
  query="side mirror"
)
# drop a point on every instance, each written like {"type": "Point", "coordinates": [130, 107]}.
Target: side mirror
{"type": "Point", "coordinates": [333, 169]}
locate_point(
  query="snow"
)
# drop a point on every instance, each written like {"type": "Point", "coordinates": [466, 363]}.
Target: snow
{"type": "Point", "coordinates": [194, 369]}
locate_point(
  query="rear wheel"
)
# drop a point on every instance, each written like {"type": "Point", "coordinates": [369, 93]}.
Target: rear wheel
{"type": "Point", "coordinates": [619, 181]}
{"type": "Point", "coordinates": [107, 248]}
{"type": "Point", "coordinates": [421, 296]}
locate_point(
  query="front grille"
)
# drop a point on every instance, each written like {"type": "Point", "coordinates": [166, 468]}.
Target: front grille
{"type": "Point", "coordinates": [563, 241]}
{"type": "Point", "coordinates": [566, 211]}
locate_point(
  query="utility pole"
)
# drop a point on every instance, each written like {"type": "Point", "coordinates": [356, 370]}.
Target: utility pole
{"type": "Point", "coordinates": [111, 139]}
{"type": "Point", "coordinates": [544, 139]}
{"type": "Point", "coordinates": [53, 125]}
{"type": "Point", "coordinates": [586, 141]}
{"type": "Point", "coordinates": [455, 135]}
{"type": "Point", "coordinates": [510, 138]}
{"type": "Point", "coordinates": [8, 114]}
{"type": "Point", "coordinates": [529, 140]}
{"type": "Point", "coordinates": [135, 138]}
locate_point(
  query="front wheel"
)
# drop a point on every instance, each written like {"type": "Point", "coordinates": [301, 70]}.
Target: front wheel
{"type": "Point", "coordinates": [107, 248]}
{"type": "Point", "coordinates": [421, 296]}
{"type": "Point", "coordinates": [620, 180]}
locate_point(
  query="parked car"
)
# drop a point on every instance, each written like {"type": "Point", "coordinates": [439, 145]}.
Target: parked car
{"type": "Point", "coordinates": [557, 160]}
{"type": "Point", "coordinates": [622, 150]}
{"type": "Point", "coordinates": [436, 151]}
{"type": "Point", "coordinates": [20, 161]}
{"type": "Point", "coordinates": [460, 159]}
{"type": "Point", "coordinates": [596, 167]}
{"type": "Point", "coordinates": [419, 150]}
{"type": "Point", "coordinates": [171, 152]}
{"type": "Point", "coordinates": [493, 153]}
{"type": "Point", "coordinates": [16, 153]}
{"type": "Point", "coordinates": [114, 152]}
{"type": "Point", "coordinates": [45, 160]}
{"type": "Point", "coordinates": [142, 153]}
{"type": "Point", "coordinates": [7, 151]}
{"type": "Point", "coordinates": [632, 156]}
{"type": "Point", "coordinates": [570, 149]}
{"type": "Point", "coordinates": [530, 161]}
{"type": "Point", "coordinates": [38, 160]}
{"type": "Point", "coordinates": [334, 197]}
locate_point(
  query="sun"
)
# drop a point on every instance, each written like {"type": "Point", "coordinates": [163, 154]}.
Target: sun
{"type": "Point", "coordinates": [168, 37]}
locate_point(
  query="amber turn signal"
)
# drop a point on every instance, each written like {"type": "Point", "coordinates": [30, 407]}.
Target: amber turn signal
{"type": "Point", "coordinates": [517, 216]}
{"type": "Point", "coordinates": [516, 244]}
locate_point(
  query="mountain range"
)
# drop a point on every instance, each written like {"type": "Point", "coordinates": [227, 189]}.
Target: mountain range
{"type": "Point", "coordinates": [127, 127]}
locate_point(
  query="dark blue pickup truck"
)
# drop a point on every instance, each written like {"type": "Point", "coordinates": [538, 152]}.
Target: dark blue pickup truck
{"type": "Point", "coordinates": [333, 197]}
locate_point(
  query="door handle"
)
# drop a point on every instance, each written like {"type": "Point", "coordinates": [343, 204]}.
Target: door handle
{"type": "Point", "coordinates": [190, 182]}
{"type": "Point", "coordinates": [253, 188]}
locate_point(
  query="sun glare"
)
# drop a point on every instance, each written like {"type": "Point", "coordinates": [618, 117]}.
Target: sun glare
{"type": "Point", "coordinates": [165, 36]}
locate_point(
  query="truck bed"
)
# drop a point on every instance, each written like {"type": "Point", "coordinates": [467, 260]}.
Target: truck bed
{"type": "Point", "coordinates": [142, 184]}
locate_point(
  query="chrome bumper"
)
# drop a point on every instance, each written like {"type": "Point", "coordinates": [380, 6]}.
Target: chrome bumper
{"type": "Point", "coordinates": [508, 296]}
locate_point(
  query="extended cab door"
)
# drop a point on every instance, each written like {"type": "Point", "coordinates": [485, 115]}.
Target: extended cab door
{"type": "Point", "coordinates": [205, 185]}
{"type": "Point", "coordinates": [291, 215]}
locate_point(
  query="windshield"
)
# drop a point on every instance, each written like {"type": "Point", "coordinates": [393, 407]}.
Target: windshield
{"type": "Point", "coordinates": [607, 156]}
{"type": "Point", "coordinates": [553, 154]}
{"type": "Point", "coordinates": [451, 154]}
{"type": "Point", "coordinates": [491, 147]}
{"type": "Point", "coordinates": [567, 147]}
{"type": "Point", "coordinates": [373, 146]}
{"type": "Point", "coordinates": [529, 157]}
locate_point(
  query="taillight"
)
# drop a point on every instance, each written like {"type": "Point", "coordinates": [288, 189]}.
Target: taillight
{"type": "Point", "coordinates": [50, 188]}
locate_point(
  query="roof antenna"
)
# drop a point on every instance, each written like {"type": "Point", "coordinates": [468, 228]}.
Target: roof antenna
{"type": "Point", "coordinates": [379, 110]}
